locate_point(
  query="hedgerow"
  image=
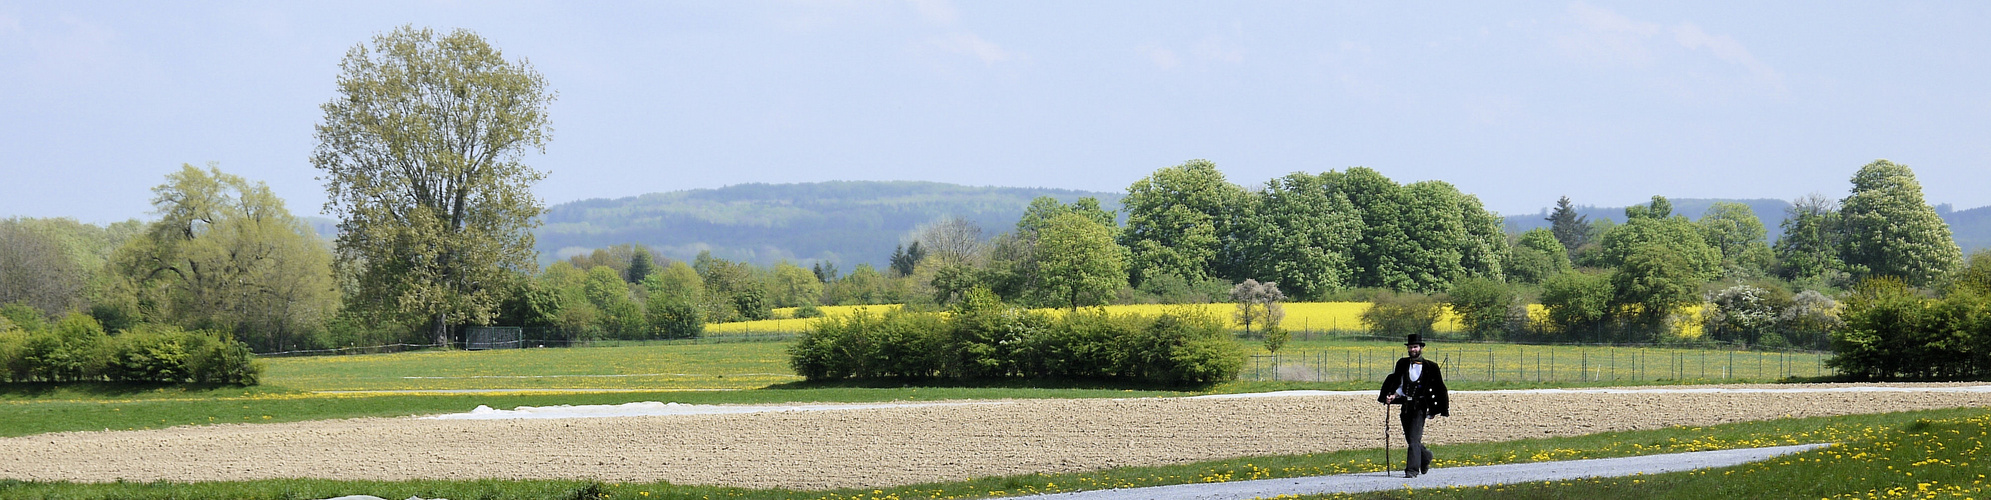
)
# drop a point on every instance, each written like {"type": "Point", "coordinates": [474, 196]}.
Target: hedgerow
{"type": "Point", "coordinates": [76, 349]}
{"type": "Point", "coordinates": [985, 338]}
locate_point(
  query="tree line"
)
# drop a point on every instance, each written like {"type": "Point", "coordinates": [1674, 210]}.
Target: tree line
{"type": "Point", "coordinates": [422, 147]}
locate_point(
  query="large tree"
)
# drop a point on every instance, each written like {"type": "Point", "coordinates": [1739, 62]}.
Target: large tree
{"type": "Point", "coordinates": [1298, 230]}
{"type": "Point", "coordinates": [226, 255]}
{"type": "Point", "coordinates": [1890, 231]}
{"type": "Point", "coordinates": [1081, 264]}
{"type": "Point", "coordinates": [422, 157]}
{"type": "Point", "coordinates": [1809, 247]}
{"type": "Point", "coordinates": [34, 270]}
{"type": "Point", "coordinates": [1176, 218]}
{"type": "Point", "coordinates": [1569, 227]}
{"type": "Point", "coordinates": [1733, 230]}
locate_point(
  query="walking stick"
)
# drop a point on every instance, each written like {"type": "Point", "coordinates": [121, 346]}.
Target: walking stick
{"type": "Point", "coordinates": [1386, 439]}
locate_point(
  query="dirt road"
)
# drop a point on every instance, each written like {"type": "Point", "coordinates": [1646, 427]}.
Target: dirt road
{"type": "Point", "coordinates": [879, 447]}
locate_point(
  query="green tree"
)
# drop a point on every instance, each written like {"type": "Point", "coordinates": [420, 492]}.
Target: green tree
{"type": "Point", "coordinates": [1569, 228]}
{"type": "Point", "coordinates": [1483, 305]}
{"type": "Point", "coordinates": [1176, 218]}
{"type": "Point", "coordinates": [226, 255]}
{"type": "Point", "coordinates": [621, 317]}
{"type": "Point", "coordinates": [1577, 302]}
{"type": "Point", "coordinates": [795, 286]}
{"type": "Point", "coordinates": [1536, 256]}
{"type": "Point", "coordinates": [1890, 231]}
{"type": "Point", "coordinates": [421, 153]}
{"type": "Point", "coordinates": [1298, 230]}
{"type": "Point", "coordinates": [1654, 282]}
{"type": "Point", "coordinates": [1645, 225]}
{"type": "Point", "coordinates": [1081, 264]}
{"type": "Point", "coordinates": [1381, 255]}
{"type": "Point", "coordinates": [1812, 237]}
{"type": "Point", "coordinates": [1398, 314]}
{"type": "Point", "coordinates": [35, 271]}
{"type": "Point", "coordinates": [1733, 230]}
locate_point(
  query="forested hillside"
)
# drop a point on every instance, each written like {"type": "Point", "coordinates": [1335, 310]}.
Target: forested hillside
{"type": "Point", "coordinates": [844, 222]}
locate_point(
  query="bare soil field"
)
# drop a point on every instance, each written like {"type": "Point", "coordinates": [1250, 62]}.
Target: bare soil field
{"type": "Point", "coordinates": [883, 446]}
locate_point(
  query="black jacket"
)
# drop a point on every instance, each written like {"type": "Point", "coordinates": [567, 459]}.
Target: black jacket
{"type": "Point", "coordinates": [1428, 392]}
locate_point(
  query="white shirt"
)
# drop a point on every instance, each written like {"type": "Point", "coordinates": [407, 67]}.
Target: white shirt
{"type": "Point", "coordinates": [1416, 371]}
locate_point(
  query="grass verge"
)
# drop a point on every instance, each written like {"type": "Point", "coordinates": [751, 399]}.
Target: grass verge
{"type": "Point", "coordinates": [1897, 455]}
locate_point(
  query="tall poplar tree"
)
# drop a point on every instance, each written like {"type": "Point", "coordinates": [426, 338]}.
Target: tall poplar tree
{"type": "Point", "coordinates": [422, 157]}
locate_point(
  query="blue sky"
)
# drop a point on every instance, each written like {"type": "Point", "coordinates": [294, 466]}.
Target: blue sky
{"type": "Point", "coordinates": [1517, 103]}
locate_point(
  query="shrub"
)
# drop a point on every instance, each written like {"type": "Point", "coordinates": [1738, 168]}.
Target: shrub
{"type": "Point", "coordinates": [1396, 314]}
{"type": "Point", "coordinates": [1482, 305]}
{"type": "Point", "coordinates": [1577, 301]}
{"type": "Point", "coordinates": [1276, 337]}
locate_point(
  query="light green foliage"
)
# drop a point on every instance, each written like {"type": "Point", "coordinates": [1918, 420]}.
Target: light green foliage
{"type": "Point", "coordinates": [1577, 302]}
{"type": "Point", "coordinates": [1747, 314]}
{"type": "Point", "coordinates": [1397, 314]}
{"type": "Point", "coordinates": [35, 270]}
{"type": "Point", "coordinates": [226, 255]}
{"type": "Point", "coordinates": [421, 152]}
{"type": "Point", "coordinates": [1176, 218]}
{"type": "Point", "coordinates": [1675, 235]}
{"type": "Point", "coordinates": [620, 316]}
{"type": "Point", "coordinates": [578, 316]}
{"type": "Point", "coordinates": [864, 285]}
{"type": "Point", "coordinates": [675, 293]}
{"type": "Point", "coordinates": [795, 287]}
{"type": "Point", "coordinates": [1890, 231]}
{"type": "Point", "coordinates": [677, 280]}
{"type": "Point", "coordinates": [1733, 230]}
{"type": "Point", "coordinates": [1536, 256]}
{"type": "Point", "coordinates": [1483, 305]}
{"type": "Point", "coordinates": [732, 289]}
{"type": "Point", "coordinates": [1079, 262]}
{"type": "Point", "coordinates": [1450, 236]}
{"type": "Point", "coordinates": [1298, 231]}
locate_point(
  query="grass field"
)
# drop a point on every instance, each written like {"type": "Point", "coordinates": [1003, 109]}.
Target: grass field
{"type": "Point", "coordinates": [1339, 360]}
{"type": "Point", "coordinates": [1931, 454]}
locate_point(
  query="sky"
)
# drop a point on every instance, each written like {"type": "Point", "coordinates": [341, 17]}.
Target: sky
{"type": "Point", "coordinates": [1518, 103]}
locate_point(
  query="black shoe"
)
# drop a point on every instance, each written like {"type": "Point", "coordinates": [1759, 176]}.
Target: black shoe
{"type": "Point", "coordinates": [1410, 473]}
{"type": "Point", "coordinates": [1426, 469]}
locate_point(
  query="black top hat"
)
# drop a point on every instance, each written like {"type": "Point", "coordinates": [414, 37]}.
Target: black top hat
{"type": "Point", "coordinates": [1415, 339]}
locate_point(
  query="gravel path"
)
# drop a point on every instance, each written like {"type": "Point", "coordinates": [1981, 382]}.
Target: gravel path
{"type": "Point", "coordinates": [1481, 475]}
{"type": "Point", "coordinates": [892, 445]}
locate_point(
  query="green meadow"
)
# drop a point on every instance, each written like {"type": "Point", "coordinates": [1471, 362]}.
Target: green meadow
{"type": "Point", "coordinates": [417, 383]}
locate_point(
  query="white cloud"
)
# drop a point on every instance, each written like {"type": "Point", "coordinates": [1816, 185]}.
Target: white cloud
{"type": "Point", "coordinates": [1161, 57]}
{"type": "Point", "coordinates": [1606, 38]}
{"type": "Point", "coordinates": [969, 44]}
{"type": "Point", "coordinates": [940, 12]}
{"type": "Point", "coordinates": [1725, 49]}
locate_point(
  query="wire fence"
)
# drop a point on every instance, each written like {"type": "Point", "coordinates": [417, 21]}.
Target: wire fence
{"type": "Point", "coordinates": [1543, 363]}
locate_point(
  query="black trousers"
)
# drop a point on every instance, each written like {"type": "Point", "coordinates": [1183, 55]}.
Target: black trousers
{"type": "Point", "coordinates": [1412, 416]}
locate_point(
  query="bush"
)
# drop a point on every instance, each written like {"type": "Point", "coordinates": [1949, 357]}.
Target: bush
{"type": "Point", "coordinates": [985, 338]}
{"type": "Point", "coordinates": [75, 350]}
{"type": "Point", "coordinates": [1577, 301]}
{"type": "Point", "coordinates": [1482, 305]}
{"type": "Point", "coordinates": [1394, 314]}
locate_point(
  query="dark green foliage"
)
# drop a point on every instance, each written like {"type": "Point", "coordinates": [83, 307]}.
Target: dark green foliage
{"type": "Point", "coordinates": [1482, 305]}
{"type": "Point", "coordinates": [1298, 230]}
{"type": "Point", "coordinates": [906, 259]}
{"type": "Point", "coordinates": [1893, 331]}
{"type": "Point", "coordinates": [1654, 282]}
{"type": "Point", "coordinates": [1177, 219]}
{"type": "Point", "coordinates": [984, 338]}
{"type": "Point", "coordinates": [674, 316]}
{"type": "Point", "coordinates": [1398, 314]}
{"type": "Point", "coordinates": [1569, 228]}
{"type": "Point", "coordinates": [1171, 289]}
{"type": "Point", "coordinates": [1812, 237]}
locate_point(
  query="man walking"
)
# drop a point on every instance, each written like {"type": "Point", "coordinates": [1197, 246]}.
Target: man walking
{"type": "Point", "coordinates": [1417, 385]}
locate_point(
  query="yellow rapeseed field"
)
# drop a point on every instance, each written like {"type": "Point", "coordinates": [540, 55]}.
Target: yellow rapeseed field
{"type": "Point", "coordinates": [1300, 317]}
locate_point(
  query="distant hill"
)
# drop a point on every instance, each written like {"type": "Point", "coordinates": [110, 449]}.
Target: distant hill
{"type": "Point", "coordinates": [1770, 211]}
{"type": "Point", "coordinates": [843, 222]}
{"type": "Point", "coordinates": [1971, 228]}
